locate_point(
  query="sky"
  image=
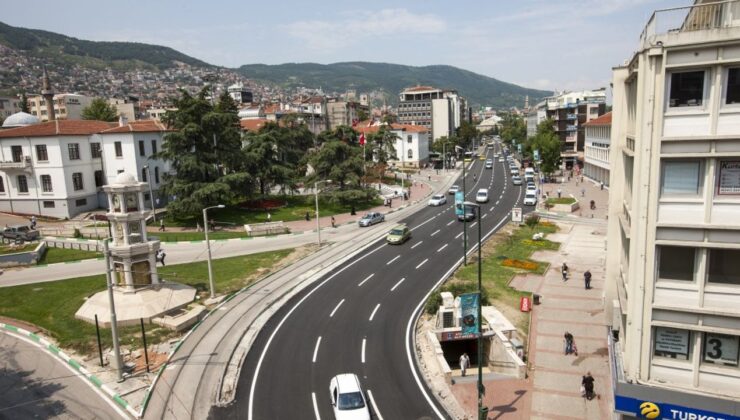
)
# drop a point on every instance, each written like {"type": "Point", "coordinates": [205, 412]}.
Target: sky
{"type": "Point", "coordinates": [541, 44]}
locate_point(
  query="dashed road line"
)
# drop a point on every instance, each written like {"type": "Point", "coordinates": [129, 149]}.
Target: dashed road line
{"type": "Point", "coordinates": [372, 315]}
{"type": "Point", "coordinates": [364, 341]}
{"type": "Point", "coordinates": [336, 307]}
{"type": "Point", "coordinates": [375, 406]}
{"type": "Point", "coordinates": [458, 235]}
{"type": "Point", "coordinates": [422, 263]}
{"type": "Point", "coordinates": [397, 284]}
{"type": "Point", "coordinates": [391, 261]}
{"type": "Point", "coordinates": [316, 350]}
{"type": "Point", "coordinates": [417, 244]}
{"type": "Point", "coordinates": [435, 232]}
{"type": "Point", "coordinates": [451, 222]}
{"type": "Point", "coordinates": [366, 279]}
{"type": "Point", "coordinates": [443, 247]}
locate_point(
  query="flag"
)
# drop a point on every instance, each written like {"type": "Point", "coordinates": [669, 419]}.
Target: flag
{"type": "Point", "coordinates": [362, 139]}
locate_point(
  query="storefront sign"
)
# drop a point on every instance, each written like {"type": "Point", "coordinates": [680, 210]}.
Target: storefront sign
{"type": "Point", "coordinates": [672, 341]}
{"type": "Point", "coordinates": [729, 177]}
{"type": "Point", "coordinates": [658, 410]}
{"type": "Point", "coordinates": [456, 335]}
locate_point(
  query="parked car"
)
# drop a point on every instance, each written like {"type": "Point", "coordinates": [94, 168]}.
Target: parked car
{"type": "Point", "coordinates": [481, 196]}
{"type": "Point", "coordinates": [20, 232]}
{"type": "Point", "coordinates": [437, 200]}
{"type": "Point", "coordinates": [530, 198]}
{"type": "Point", "coordinates": [467, 215]}
{"type": "Point", "coordinates": [514, 171]}
{"type": "Point", "coordinates": [398, 235]}
{"type": "Point", "coordinates": [371, 218]}
{"type": "Point", "coordinates": [347, 398]}
{"type": "Point", "coordinates": [531, 186]}
{"type": "Point", "coordinates": [516, 180]}
{"type": "Point", "coordinates": [453, 189]}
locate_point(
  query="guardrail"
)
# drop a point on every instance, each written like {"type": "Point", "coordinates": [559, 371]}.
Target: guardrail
{"type": "Point", "coordinates": [692, 18]}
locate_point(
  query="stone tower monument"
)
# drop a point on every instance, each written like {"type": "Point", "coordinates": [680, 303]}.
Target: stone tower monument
{"type": "Point", "coordinates": [48, 95]}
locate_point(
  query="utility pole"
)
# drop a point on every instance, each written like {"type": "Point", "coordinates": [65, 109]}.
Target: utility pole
{"type": "Point", "coordinates": [113, 321]}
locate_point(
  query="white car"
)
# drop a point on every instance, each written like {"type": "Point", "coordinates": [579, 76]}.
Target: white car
{"type": "Point", "coordinates": [437, 200]}
{"type": "Point", "coordinates": [347, 398]}
{"type": "Point", "coordinates": [453, 189]}
{"type": "Point", "coordinates": [500, 159]}
{"type": "Point", "coordinates": [514, 171]}
{"type": "Point", "coordinates": [530, 198]}
{"type": "Point", "coordinates": [481, 196]}
{"type": "Point", "coordinates": [516, 180]}
{"type": "Point", "coordinates": [531, 186]}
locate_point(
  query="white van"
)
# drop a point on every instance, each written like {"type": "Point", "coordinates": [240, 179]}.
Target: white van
{"type": "Point", "coordinates": [529, 170]}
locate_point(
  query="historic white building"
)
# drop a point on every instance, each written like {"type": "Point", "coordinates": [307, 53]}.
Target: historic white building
{"type": "Point", "coordinates": [57, 168]}
{"type": "Point", "coordinates": [596, 150]}
{"type": "Point", "coordinates": [673, 257]}
{"type": "Point", "coordinates": [411, 146]}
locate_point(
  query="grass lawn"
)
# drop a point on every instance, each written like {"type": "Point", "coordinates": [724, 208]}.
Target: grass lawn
{"type": "Point", "coordinates": [296, 208]}
{"type": "Point", "coordinates": [196, 236]}
{"type": "Point", "coordinates": [52, 305]}
{"type": "Point", "coordinates": [4, 250]}
{"type": "Point", "coordinates": [57, 255]}
{"type": "Point", "coordinates": [562, 200]}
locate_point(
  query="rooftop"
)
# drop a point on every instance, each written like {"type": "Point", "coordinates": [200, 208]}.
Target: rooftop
{"type": "Point", "coordinates": [605, 119]}
{"type": "Point", "coordinates": [702, 15]}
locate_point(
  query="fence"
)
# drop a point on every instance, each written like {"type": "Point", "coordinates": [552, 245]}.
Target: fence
{"type": "Point", "coordinates": [72, 243]}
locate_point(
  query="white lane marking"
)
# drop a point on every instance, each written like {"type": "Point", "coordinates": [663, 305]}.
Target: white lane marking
{"type": "Point", "coordinates": [375, 406]}
{"type": "Point", "coordinates": [484, 216]}
{"type": "Point", "coordinates": [397, 284]}
{"type": "Point", "coordinates": [422, 263]}
{"type": "Point", "coordinates": [315, 406]}
{"type": "Point", "coordinates": [435, 232]}
{"type": "Point", "coordinates": [337, 307]}
{"type": "Point", "coordinates": [497, 201]}
{"type": "Point", "coordinates": [366, 279]}
{"type": "Point", "coordinates": [443, 247]}
{"type": "Point", "coordinates": [458, 235]}
{"type": "Point", "coordinates": [473, 224]}
{"type": "Point", "coordinates": [451, 222]}
{"type": "Point", "coordinates": [491, 209]}
{"type": "Point", "coordinates": [373, 314]}
{"type": "Point", "coordinates": [364, 340]}
{"type": "Point", "coordinates": [417, 244]}
{"type": "Point", "coordinates": [316, 350]}
{"type": "Point", "coordinates": [391, 261]}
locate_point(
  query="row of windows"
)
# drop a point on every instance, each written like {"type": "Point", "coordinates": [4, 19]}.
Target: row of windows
{"type": "Point", "coordinates": [145, 176]}
{"type": "Point", "coordinates": [716, 349]}
{"type": "Point", "coordinates": [685, 177]}
{"type": "Point", "coordinates": [682, 263]}
{"type": "Point", "coordinates": [414, 105]}
{"type": "Point", "coordinates": [689, 88]}
{"type": "Point", "coordinates": [414, 114]}
{"type": "Point", "coordinates": [73, 151]}
{"type": "Point", "coordinates": [77, 181]}
{"type": "Point", "coordinates": [601, 154]}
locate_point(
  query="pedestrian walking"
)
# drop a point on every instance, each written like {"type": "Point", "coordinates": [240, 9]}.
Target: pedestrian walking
{"type": "Point", "coordinates": [269, 217]}
{"type": "Point", "coordinates": [33, 222]}
{"type": "Point", "coordinates": [568, 337]}
{"type": "Point", "coordinates": [308, 217]}
{"type": "Point", "coordinates": [333, 222]}
{"type": "Point", "coordinates": [564, 271]}
{"type": "Point", "coordinates": [352, 211]}
{"type": "Point", "coordinates": [587, 279]}
{"type": "Point", "coordinates": [464, 363]}
{"type": "Point", "coordinates": [197, 227]}
{"type": "Point", "coordinates": [161, 225]}
{"type": "Point", "coordinates": [560, 192]}
{"type": "Point", "coordinates": [583, 192]}
{"type": "Point", "coordinates": [160, 256]}
{"type": "Point", "coordinates": [587, 386]}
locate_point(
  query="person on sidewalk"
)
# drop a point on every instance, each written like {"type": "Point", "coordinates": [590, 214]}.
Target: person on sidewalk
{"type": "Point", "coordinates": [161, 225]}
{"type": "Point", "coordinates": [568, 343]}
{"type": "Point", "coordinates": [160, 256]}
{"type": "Point", "coordinates": [587, 279]}
{"type": "Point", "coordinates": [560, 192]}
{"type": "Point", "coordinates": [464, 363]}
{"type": "Point", "coordinates": [333, 222]}
{"type": "Point", "coordinates": [564, 271]}
{"type": "Point", "coordinates": [583, 192]}
{"type": "Point", "coordinates": [269, 217]}
{"type": "Point", "coordinates": [602, 185]}
{"type": "Point", "coordinates": [587, 383]}
{"type": "Point", "coordinates": [33, 222]}
{"type": "Point", "coordinates": [308, 217]}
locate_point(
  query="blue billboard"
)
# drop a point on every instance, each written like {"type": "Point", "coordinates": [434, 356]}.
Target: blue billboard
{"type": "Point", "coordinates": [469, 323]}
{"type": "Point", "coordinates": [459, 198]}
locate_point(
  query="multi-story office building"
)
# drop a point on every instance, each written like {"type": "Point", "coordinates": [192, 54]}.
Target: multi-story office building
{"type": "Point", "coordinates": [673, 257]}
{"type": "Point", "coordinates": [57, 168]}
{"type": "Point", "coordinates": [596, 150]}
{"type": "Point", "coordinates": [127, 107]}
{"type": "Point", "coordinates": [67, 106]}
{"type": "Point", "coordinates": [534, 117]}
{"type": "Point", "coordinates": [240, 94]}
{"type": "Point", "coordinates": [9, 105]}
{"type": "Point", "coordinates": [341, 112]}
{"type": "Point", "coordinates": [440, 111]}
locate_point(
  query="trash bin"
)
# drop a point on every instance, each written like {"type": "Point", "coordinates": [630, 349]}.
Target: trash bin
{"type": "Point", "coordinates": [536, 298]}
{"type": "Point", "coordinates": [483, 413]}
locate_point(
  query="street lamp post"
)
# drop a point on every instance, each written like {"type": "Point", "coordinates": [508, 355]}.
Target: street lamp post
{"type": "Point", "coordinates": [113, 320]}
{"type": "Point", "coordinates": [151, 193]}
{"type": "Point", "coordinates": [481, 388]}
{"type": "Point", "coordinates": [465, 222]}
{"type": "Point", "coordinates": [316, 196]}
{"type": "Point", "coordinates": [208, 245]}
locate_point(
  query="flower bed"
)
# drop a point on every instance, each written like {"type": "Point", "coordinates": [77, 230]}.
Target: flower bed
{"type": "Point", "coordinates": [263, 204]}
{"type": "Point", "coordinates": [524, 265]}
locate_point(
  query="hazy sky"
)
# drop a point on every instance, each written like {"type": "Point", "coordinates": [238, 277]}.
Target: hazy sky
{"type": "Point", "coordinates": [545, 44]}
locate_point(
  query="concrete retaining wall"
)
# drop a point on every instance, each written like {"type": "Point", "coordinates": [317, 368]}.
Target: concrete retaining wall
{"type": "Point", "coordinates": [502, 357]}
{"type": "Point", "coordinates": [23, 258]}
{"type": "Point", "coordinates": [73, 243]}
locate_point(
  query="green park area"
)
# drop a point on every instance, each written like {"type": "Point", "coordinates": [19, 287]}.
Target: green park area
{"type": "Point", "coordinates": [57, 255]}
{"type": "Point", "coordinates": [562, 200]}
{"type": "Point", "coordinates": [51, 306]}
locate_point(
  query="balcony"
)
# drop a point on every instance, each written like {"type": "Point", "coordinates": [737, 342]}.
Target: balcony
{"type": "Point", "coordinates": [715, 15]}
{"type": "Point", "coordinates": [25, 163]}
{"type": "Point", "coordinates": [571, 128]}
{"type": "Point", "coordinates": [571, 116]}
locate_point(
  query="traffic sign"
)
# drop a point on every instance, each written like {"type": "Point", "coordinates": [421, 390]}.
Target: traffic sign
{"type": "Point", "coordinates": [516, 214]}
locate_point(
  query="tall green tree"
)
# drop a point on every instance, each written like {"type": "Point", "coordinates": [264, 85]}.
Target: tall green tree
{"type": "Point", "coordinates": [513, 127]}
{"type": "Point", "coordinates": [24, 104]}
{"type": "Point", "coordinates": [548, 144]}
{"type": "Point", "coordinates": [100, 110]}
{"type": "Point", "coordinates": [467, 134]}
{"type": "Point", "coordinates": [207, 164]}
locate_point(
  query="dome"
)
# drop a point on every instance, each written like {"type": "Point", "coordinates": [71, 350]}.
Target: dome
{"type": "Point", "coordinates": [20, 119]}
{"type": "Point", "coordinates": [125, 178]}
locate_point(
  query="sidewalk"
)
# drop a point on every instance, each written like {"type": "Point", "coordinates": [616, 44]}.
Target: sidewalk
{"type": "Point", "coordinates": [584, 192]}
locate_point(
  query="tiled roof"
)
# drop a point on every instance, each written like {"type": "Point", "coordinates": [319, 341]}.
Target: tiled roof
{"type": "Point", "coordinates": [605, 119]}
{"type": "Point", "coordinates": [418, 88]}
{"type": "Point", "coordinates": [272, 108]}
{"type": "Point", "coordinates": [58, 128]}
{"type": "Point", "coordinates": [253, 124]}
{"type": "Point", "coordinates": [368, 127]}
{"type": "Point", "coordinates": [144, 126]}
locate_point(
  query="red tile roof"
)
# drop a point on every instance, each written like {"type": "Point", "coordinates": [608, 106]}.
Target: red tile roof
{"type": "Point", "coordinates": [418, 88]}
{"type": "Point", "coordinates": [253, 124]}
{"type": "Point", "coordinates": [58, 128]}
{"type": "Point", "coordinates": [366, 127]}
{"type": "Point", "coordinates": [272, 108]}
{"type": "Point", "coordinates": [144, 126]}
{"type": "Point", "coordinates": [605, 119]}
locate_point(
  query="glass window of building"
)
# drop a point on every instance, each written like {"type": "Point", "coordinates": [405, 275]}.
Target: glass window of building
{"type": "Point", "coordinates": [99, 180]}
{"type": "Point", "coordinates": [2, 185]}
{"type": "Point", "coordinates": [74, 151]}
{"type": "Point", "coordinates": [22, 184]}
{"type": "Point", "coordinates": [724, 266]}
{"type": "Point", "coordinates": [156, 174]}
{"type": "Point", "coordinates": [17, 152]}
{"type": "Point", "coordinates": [142, 148]}
{"type": "Point", "coordinates": [721, 349]}
{"type": "Point", "coordinates": [41, 154]}
{"type": "Point", "coordinates": [95, 151]}
{"type": "Point", "coordinates": [154, 147]}
{"type": "Point", "coordinates": [672, 343]}
{"type": "Point", "coordinates": [732, 95]}
{"type": "Point", "coordinates": [77, 181]}
{"type": "Point", "coordinates": [681, 178]}
{"type": "Point", "coordinates": [46, 183]}
{"type": "Point", "coordinates": [119, 149]}
{"type": "Point", "coordinates": [676, 263]}
{"type": "Point", "coordinates": [687, 88]}
{"type": "Point", "coordinates": [143, 175]}
{"type": "Point", "coordinates": [49, 204]}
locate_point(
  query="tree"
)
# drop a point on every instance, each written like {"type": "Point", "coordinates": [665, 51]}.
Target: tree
{"type": "Point", "coordinates": [467, 134]}
{"type": "Point", "coordinates": [337, 161]}
{"type": "Point", "coordinates": [548, 144]}
{"type": "Point", "coordinates": [362, 115]}
{"type": "Point", "coordinates": [207, 164]}
{"type": "Point", "coordinates": [24, 104]}
{"type": "Point", "coordinates": [100, 110]}
{"type": "Point", "coordinates": [513, 127]}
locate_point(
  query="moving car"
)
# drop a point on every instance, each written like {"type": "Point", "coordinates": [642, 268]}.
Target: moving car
{"type": "Point", "coordinates": [481, 196]}
{"type": "Point", "coordinates": [347, 398]}
{"type": "Point", "coordinates": [453, 189]}
{"type": "Point", "coordinates": [20, 232]}
{"type": "Point", "coordinates": [489, 164]}
{"type": "Point", "coordinates": [514, 171]}
{"type": "Point", "coordinates": [501, 159]}
{"type": "Point", "coordinates": [468, 214]}
{"type": "Point", "coordinates": [398, 235]}
{"type": "Point", "coordinates": [371, 218]}
{"type": "Point", "coordinates": [516, 180]}
{"type": "Point", "coordinates": [531, 187]}
{"type": "Point", "coordinates": [530, 198]}
{"type": "Point", "coordinates": [437, 200]}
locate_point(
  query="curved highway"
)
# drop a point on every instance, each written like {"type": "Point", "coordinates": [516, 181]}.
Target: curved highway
{"type": "Point", "coordinates": [360, 318]}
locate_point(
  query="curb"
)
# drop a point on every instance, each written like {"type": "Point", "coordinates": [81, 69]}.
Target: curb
{"type": "Point", "coordinates": [54, 350]}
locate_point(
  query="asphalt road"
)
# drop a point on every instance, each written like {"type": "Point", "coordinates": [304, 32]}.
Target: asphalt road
{"type": "Point", "coordinates": [359, 319]}
{"type": "Point", "coordinates": [34, 384]}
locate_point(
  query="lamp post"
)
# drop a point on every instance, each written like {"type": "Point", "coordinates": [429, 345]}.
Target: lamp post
{"type": "Point", "coordinates": [481, 388]}
{"type": "Point", "coordinates": [151, 193]}
{"type": "Point", "coordinates": [316, 196]}
{"type": "Point", "coordinates": [208, 245]}
{"type": "Point", "coordinates": [113, 320]}
{"type": "Point", "coordinates": [465, 222]}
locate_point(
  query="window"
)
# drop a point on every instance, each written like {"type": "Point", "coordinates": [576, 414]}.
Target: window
{"type": "Point", "coordinates": [724, 266]}
{"type": "Point", "coordinates": [49, 204]}
{"type": "Point", "coordinates": [2, 185]}
{"type": "Point", "coordinates": [22, 184]}
{"type": "Point", "coordinates": [77, 181]}
{"type": "Point", "coordinates": [120, 171]}
{"type": "Point", "coordinates": [74, 151]}
{"type": "Point", "coordinates": [41, 153]}
{"type": "Point", "coordinates": [681, 178]}
{"type": "Point", "coordinates": [687, 89]}
{"type": "Point", "coordinates": [676, 263]}
{"type": "Point", "coordinates": [95, 151]}
{"type": "Point", "coordinates": [671, 343]}
{"type": "Point", "coordinates": [142, 148]}
{"type": "Point", "coordinates": [733, 86]}
{"type": "Point", "coordinates": [411, 154]}
{"type": "Point", "coordinates": [99, 180]}
{"type": "Point", "coordinates": [46, 183]}
{"type": "Point", "coordinates": [143, 175]}
{"type": "Point", "coordinates": [17, 152]}
{"type": "Point", "coordinates": [119, 149]}
{"type": "Point", "coordinates": [721, 349]}
{"type": "Point", "coordinates": [154, 147]}
{"type": "Point", "coordinates": [81, 202]}
{"type": "Point", "coordinates": [156, 174]}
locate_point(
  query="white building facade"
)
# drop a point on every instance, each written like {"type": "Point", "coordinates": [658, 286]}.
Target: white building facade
{"type": "Point", "coordinates": [67, 106]}
{"type": "Point", "coordinates": [411, 146]}
{"type": "Point", "coordinates": [596, 150]}
{"type": "Point", "coordinates": [673, 257]}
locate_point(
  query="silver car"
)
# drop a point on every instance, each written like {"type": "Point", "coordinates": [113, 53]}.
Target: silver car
{"type": "Point", "coordinates": [371, 218]}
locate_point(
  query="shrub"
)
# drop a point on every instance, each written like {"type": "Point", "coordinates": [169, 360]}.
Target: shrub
{"type": "Point", "coordinates": [77, 233]}
{"type": "Point", "coordinates": [457, 288]}
{"type": "Point", "coordinates": [532, 220]}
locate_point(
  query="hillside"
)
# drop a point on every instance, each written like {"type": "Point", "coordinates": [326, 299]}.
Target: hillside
{"type": "Point", "coordinates": [64, 50]}
{"type": "Point", "coordinates": [392, 78]}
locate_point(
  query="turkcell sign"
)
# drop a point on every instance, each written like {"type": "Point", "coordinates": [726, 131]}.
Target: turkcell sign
{"type": "Point", "coordinates": [654, 410]}
{"type": "Point", "coordinates": [519, 148]}
{"type": "Point", "coordinates": [459, 198]}
{"type": "Point", "coordinates": [536, 154]}
{"type": "Point", "coordinates": [469, 312]}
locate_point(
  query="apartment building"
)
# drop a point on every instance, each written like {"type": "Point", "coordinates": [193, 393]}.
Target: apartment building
{"type": "Point", "coordinates": [9, 105]}
{"type": "Point", "coordinates": [440, 111]}
{"type": "Point", "coordinates": [673, 253]}
{"type": "Point", "coordinates": [57, 168]}
{"type": "Point", "coordinates": [596, 150]}
{"type": "Point", "coordinates": [67, 106]}
{"type": "Point", "coordinates": [341, 112]}
{"type": "Point", "coordinates": [126, 106]}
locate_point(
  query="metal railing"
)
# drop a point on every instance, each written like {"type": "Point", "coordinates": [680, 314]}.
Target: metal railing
{"type": "Point", "coordinates": [698, 17]}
